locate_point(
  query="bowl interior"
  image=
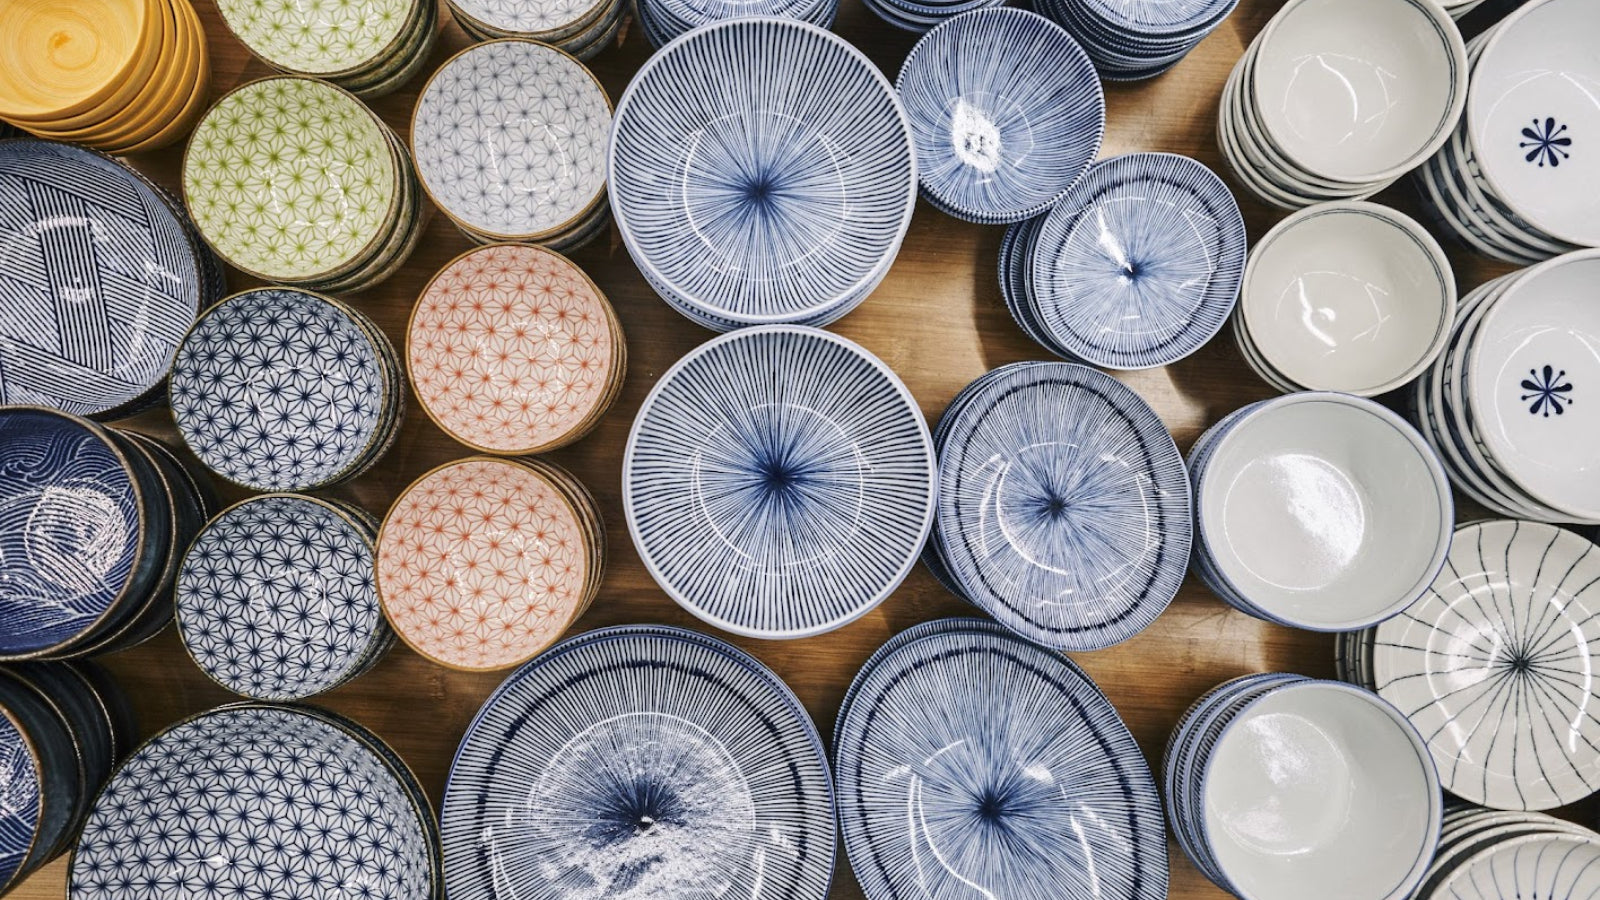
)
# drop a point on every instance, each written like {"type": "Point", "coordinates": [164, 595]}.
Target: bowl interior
{"type": "Point", "coordinates": [1324, 512]}
{"type": "Point", "coordinates": [1319, 790]}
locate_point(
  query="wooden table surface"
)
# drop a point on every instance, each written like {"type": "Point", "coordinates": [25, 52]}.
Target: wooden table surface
{"type": "Point", "coordinates": [937, 320]}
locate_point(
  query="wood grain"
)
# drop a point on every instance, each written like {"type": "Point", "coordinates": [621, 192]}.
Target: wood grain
{"type": "Point", "coordinates": [937, 320]}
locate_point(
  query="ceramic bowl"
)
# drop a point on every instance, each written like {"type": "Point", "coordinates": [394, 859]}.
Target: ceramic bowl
{"type": "Point", "coordinates": [1390, 84]}
{"type": "Point", "coordinates": [1000, 135]}
{"type": "Point", "coordinates": [1130, 40]}
{"type": "Point", "coordinates": [1351, 297]}
{"type": "Point", "coordinates": [283, 389]}
{"type": "Point", "coordinates": [670, 18]}
{"type": "Point", "coordinates": [322, 39]}
{"type": "Point", "coordinates": [545, 20]}
{"type": "Point", "coordinates": [778, 482]}
{"type": "Point", "coordinates": [44, 781]}
{"type": "Point", "coordinates": [730, 182]}
{"type": "Point", "coordinates": [44, 83]}
{"type": "Point", "coordinates": [1318, 789]}
{"type": "Point", "coordinates": [510, 140]}
{"type": "Point", "coordinates": [1321, 511]}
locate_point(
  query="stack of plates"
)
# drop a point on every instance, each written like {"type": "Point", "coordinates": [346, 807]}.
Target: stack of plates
{"type": "Point", "coordinates": [513, 349]}
{"type": "Point", "coordinates": [277, 599]}
{"type": "Point", "coordinates": [1138, 265]}
{"type": "Point", "coordinates": [1063, 505]}
{"type": "Point", "coordinates": [122, 75]}
{"type": "Point", "coordinates": [640, 761]}
{"type": "Point", "coordinates": [776, 188]}
{"type": "Point", "coordinates": [1006, 111]}
{"type": "Point", "coordinates": [1490, 855]}
{"type": "Point", "coordinates": [93, 522]}
{"type": "Point", "coordinates": [580, 27]}
{"type": "Point", "coordinates": [1134, 39]}
{"type": "Point", "coordinates": [102, 276]}
{"type": "Point", "coordinates": [1351, 297]}
{"type": "Point", "coordinates": [1513, 182]}
{"type": "Point", "coordinates": [259, 800]}
{"type": "Point", "coordinates": [921, 15]}
{"type": "Point", "coordinates": [510, 141]}
{"type": "Point", "coordinates": [294, 181]}
{"type": "Point", "coordinates": [367, 47]}
{"type": "Point", "coordinates": [63, 727]}
{"type": "Point", "coordinates": [664, 20]}
{"type": "Point", "coordinates": [483, 563]}
{"type": "Point", "coordinates": [778, 482]}
{"type": "Point", "coordinates": [971, 763]}
{"type": "Point", "coordinates": [1320, 511]}
{"type": "Point", "coordinates": [1492, 662]}
{"type": "Point", "coordinates": [279, 389]}
{"type": "Point", "coordinates": [1500, 403]}
{"type": "Point", "coordinates": [1280, 787]}
{"type": "Point", "coordinates": [1388, 86]}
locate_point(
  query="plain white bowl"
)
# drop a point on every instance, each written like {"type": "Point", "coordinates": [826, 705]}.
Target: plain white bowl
{"type": "Point", "coordinates": [1360, 90]}
{"type": "Point", "coordinates": [1325, 511]}
{"type": "Point", "coordinates": [1348, 296]}
{"type": "Point", "coordinates": [1321, 790]}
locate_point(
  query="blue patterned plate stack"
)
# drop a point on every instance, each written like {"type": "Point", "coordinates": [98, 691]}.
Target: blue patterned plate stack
{"type": "Point", "coordinates": [280, 389]}
{"type": "Point", "coordinates": [1063, 505]}
{"type": "Point", "coordinates": [260, 801]}
{"type": "Point", "coordinates": [92, 524]}
{"type": "Point", "coordinates": [761, 171]}
{"type": "Point", "coordinates": [1007, 113]}
{"type": "Point", "coordinates": [664, 20]}
{"type": "Point", "coordinates": [778, 482]}
{"type": "Point", "coordinates": [1138, 265]}
{"type": "Point", "coordinates": [1131, 40]}
{"type": "Point", "coordinates": [101, 273]}
{"type": "Point", "coordinates": [278, 600]}
{"type": "Point", "coordinates": [640, 761]}
{"type": "Point", "coordinates": [971, 763]}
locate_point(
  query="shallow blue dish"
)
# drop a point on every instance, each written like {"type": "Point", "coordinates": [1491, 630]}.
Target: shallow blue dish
{"type": "Point", "coordinates": [640, 761]}
{"type": "Point", "coordinates": [779, 481]}
{"type": "Point", "coordinates": [41, 781]}
{"type": "Point", "coordinates": [761, 171]}
{"type": "Point", "coordinates": [1006, 110]}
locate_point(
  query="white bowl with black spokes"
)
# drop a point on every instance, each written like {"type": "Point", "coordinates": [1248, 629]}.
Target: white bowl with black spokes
{"type": "Point", "coordinates": [779, 481]}
{"type": "Point", "coordinates": [761, 170]}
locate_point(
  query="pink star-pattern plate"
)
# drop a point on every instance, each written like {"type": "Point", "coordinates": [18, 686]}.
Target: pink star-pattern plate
{"type": "Point", "coordinates": [482, 563]}
{"type": "Point", "coordinates": [512, 349]}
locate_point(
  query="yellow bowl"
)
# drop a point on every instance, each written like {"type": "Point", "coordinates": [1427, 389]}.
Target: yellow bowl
{"type": "Point", "coordinates": [168, 91]}
{"type": "Point", "coordinates": [62, 63]}
{"type": "Point", "coordinates": [194, 106]}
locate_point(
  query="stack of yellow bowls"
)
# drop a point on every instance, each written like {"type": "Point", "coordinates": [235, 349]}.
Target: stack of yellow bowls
{"type": "Point", "coordinates": [119, 75]}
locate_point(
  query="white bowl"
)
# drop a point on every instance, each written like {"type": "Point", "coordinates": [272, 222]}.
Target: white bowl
{"type": "Point", "coordinates": [1325, 511]}
{"type": "Point", "coordinates": [1321, 790]}
{"type": "Point", "coordinates": [1360, 90]}
{"type": "Point", "coordinates": [1348, 296]}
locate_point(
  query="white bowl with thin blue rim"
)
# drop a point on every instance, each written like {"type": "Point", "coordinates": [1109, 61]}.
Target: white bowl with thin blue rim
{"type": "Point", "coordinates": [1006, 111]}
{"type": "Point", "coordinates": [762, 171]}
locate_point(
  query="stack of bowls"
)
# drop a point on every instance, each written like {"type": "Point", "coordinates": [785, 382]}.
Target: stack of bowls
{"type": "Point", "coordinates": [513, 349]}
{"type": "Point", "coordinates": [93, 522]}
{"type": "Point", "coordinates": [277, 598]}
{"type": "Point", "coordinates": [63, 726]}
{"type": "Point", "coordinates": [1500, 403]}
{"type": "Point", "coordinates": [1320, 511]}
{"type": "Point", "coordinates": [101, 240]}
{"type": "Point", "coordinates": [1281, 787]}
{"type": "Point", "coordinates": [1491, 662]}
{"type": "Point", "coordinates": [124, 76]}
{"type": "Point", "coordinates": [664, 20]}
{"type": "Point", "coordinates": [280, 389]}
{"type": "Point", "coordinates": [580, 27]}
{"type": "Point", "coordinates": [295, 181]}
{"type": "Point", "coordinates": [777, 191]}
{"type": "Point", "coordinates": [482, 563]}
{"type": "Point", "coordinates": [1063, 506]}
{"type": "Point", "coordinates": [921, 15]}
{"type": "Point", "coordinates": [1513, 181]}
{"type": "Point", "coordinates": [1388, 86]}
{"type": "Point", "coordinates": [510, 140]}
{"type": "Point", "coordinates": [1000, 135]}
{"type": "Point", "coordinates": [1131, 40]}
{"type": "Point", "coordinates": [1138, 265]}
{"type": "Point", "coordinates": [368, 47]}
{"type": "Point", "coordinates": [1351, 297]}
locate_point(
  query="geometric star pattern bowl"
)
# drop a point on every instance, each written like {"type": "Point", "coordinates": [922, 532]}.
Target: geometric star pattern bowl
{"type": "Point", "coordinates": [368, 47]}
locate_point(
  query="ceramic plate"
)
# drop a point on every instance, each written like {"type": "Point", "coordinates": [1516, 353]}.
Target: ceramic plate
{"type": "Point", "coordinates": [778, 482]}
{"type": "Point", "coordinates": [317, 37]}
{"type": "Point", "coordinates": [640, 762]}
